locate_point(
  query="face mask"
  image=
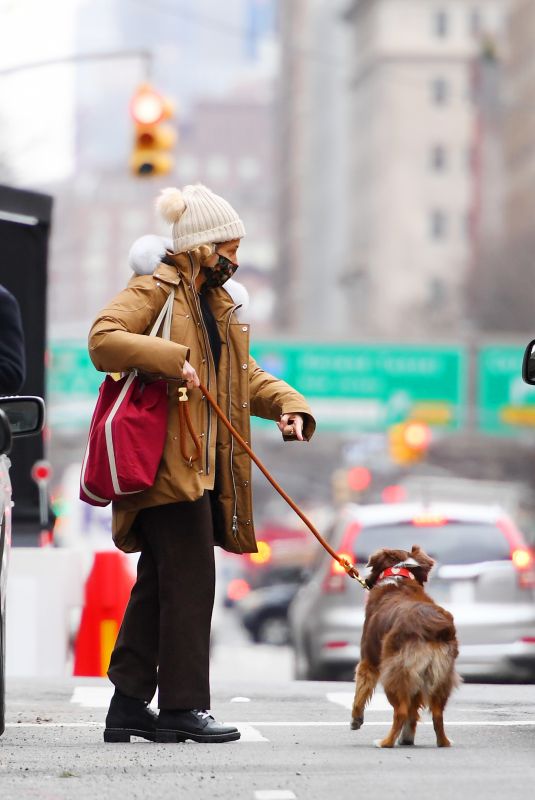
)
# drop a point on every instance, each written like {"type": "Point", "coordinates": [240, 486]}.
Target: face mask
{"type": "Point", "coordinates": [219, 274]}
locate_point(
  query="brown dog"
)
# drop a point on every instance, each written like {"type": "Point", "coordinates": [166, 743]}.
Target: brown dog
{"type": "Point", "coordinates": [408, 643]}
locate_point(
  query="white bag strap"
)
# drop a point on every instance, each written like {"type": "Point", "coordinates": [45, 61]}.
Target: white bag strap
{"type": "Point", "coordinates": [166, 317]}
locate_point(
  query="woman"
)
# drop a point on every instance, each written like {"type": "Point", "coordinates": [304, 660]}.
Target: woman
{"type": "Point", "coordinates": [193, 504]}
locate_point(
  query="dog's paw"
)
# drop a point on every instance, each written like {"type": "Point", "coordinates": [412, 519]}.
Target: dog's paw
{"type": "Point", "coordinates": [405, 742]}
{"type": "Point", "coordinates": [379, 743]}
{"type": "Point", "coordinates": [356, 723]}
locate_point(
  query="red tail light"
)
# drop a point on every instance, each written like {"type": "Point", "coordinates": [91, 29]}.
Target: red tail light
{"type": "Point", "coordinates": [335, 580]}
{"type": "Point", "coordinates": [523, 557]}
{"type": "Point", "coordinates": [429, 520]}
{"type": "Point", "coordinates": [237, 589]}
{"type": "Point", "coordinates": [524, 563]}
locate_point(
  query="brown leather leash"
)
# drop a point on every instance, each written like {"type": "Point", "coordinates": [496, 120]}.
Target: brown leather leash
{"type": "Point", "coordinates": [184, 414]}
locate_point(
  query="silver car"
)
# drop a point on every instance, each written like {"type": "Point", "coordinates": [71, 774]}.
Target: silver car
{"type": "Point", "coordinates": [484, 575]}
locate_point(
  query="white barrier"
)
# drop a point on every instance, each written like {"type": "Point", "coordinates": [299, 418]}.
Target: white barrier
{"type": "Point", "coordinates": [45, 588]}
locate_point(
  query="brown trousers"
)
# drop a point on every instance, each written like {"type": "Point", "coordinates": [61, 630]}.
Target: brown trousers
{"type": "Point", "coordinates": [164, 639]}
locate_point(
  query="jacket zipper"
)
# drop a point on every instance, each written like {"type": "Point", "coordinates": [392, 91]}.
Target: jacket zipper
{"type": "Point", "coordinates": [208, 355]}
{"type": "Point", "coordinates": [229, 415]}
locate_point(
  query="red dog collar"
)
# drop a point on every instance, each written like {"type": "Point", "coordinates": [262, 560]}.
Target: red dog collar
{"type": "Point", "coordinates": [396, 572]}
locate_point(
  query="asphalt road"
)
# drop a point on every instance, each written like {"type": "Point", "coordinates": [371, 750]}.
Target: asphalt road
{"type": "Point", "coordinates": [296, 743]}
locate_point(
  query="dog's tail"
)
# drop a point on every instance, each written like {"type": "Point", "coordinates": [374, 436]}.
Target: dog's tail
{"type": "Point", "coordinates": [421, 668]}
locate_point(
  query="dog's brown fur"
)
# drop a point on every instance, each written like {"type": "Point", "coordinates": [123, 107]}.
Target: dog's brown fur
{"type": "Point", "coordinates": [409, 644]}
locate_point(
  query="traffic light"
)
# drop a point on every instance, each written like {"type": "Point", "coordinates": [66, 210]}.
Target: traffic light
{"type": "Point", "coordinates": [154, 136]}
{"type": "Point", "coordinates": [349, 484]}
{"type": "Point", "coordinates": [408, 442]}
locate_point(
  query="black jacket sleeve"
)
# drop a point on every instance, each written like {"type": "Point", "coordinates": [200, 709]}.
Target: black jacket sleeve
{"type": "Point", "coordinates": [12, 359]}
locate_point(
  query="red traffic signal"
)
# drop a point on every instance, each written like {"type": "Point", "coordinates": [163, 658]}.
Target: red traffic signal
{"type": "Point", "coordinates": [417, 435]}
{"type": "Point", "coordinates": [358, 478]}
{"type": "Point", "coordinates": [147, 106]}
{"type": "Point", "coordinates": [42, 471]}
{"type": "Point", "coordinates": [154, 138]}
{"type": "Point", "coordinates": [409, 441]}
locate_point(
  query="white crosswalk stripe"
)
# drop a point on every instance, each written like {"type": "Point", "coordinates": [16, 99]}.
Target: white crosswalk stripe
{"type": "Point", "coordinates": [345, 699]}
{"type": "Point", "coordinates": [100, 696]}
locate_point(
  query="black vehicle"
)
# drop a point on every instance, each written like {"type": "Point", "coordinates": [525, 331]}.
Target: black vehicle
{"type": "Point", "coordinates": [19, 416]}
{"type": "Point", "coordinates": [263, 612]}
{"type": "Point", "coordinates": [528, 364]}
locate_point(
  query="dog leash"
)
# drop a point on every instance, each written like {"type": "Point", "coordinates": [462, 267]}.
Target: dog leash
{"type": "Point", "coordinates": [344, 562]}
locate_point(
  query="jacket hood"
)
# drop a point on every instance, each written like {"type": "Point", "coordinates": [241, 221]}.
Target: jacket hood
{"type": "Point", "coordinates": [147, 252]}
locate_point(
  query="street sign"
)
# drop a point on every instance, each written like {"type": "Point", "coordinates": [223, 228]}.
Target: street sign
{"type": "Point", "coordinates": [371, 387]}
{"type": "Point", "coordinates": [506, 405]}
{"type": "Point", "coordinates": [72, 386]}
{"type": "Point", "coordinates": [350, 387]}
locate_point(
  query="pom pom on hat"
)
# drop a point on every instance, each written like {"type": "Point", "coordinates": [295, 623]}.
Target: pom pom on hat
{"type": "Point", "coordinates": [170, 205]}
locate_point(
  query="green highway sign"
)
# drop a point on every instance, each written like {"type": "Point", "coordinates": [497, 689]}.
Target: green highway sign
{"type": "Point", "coordinates": [505, 403]}
{"type": "Point", "coordinates": [72, 386]}
{"type": "Point", "coordinates": [370, 387]}
{"type": "Point", "coordinates": [350, 387]}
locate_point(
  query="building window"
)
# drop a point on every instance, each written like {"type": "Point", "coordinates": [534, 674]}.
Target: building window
{"type": "Point", "coordinates": [440, 24]}
{"type": "Point", "coordinates": [438, 158]}
{"type": "Point", "coordinates": [468, 225]}
{"type": "Point", "coordinates": [217, 168]}
{"type": "Point", "coordinates": [188, 168]}
{"type": "Point", "coordinates": [438, 225]}
{"type": "Point", "coordinates": [475, 23]}
{"type": "Point", "coordinates": [470, 157]}
{"type": "Point", "coordinates": [248, 168]}
{"type": "Point", "coordinates": [439, 91]}
{"type": "Point", "coordinates": [436, 291]}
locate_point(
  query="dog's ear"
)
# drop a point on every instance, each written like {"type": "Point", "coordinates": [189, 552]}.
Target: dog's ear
{"type": "Point", "coordinates": [425, 562]}
{"type": "Point", "coordinates": [379, 561]}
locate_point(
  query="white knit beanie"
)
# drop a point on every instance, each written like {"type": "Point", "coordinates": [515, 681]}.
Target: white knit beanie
{"type": "Point", "coordinates": [198, 216]}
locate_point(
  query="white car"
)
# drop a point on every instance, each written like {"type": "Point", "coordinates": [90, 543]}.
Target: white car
{"type": "Point", "coordinates": [484, 575]}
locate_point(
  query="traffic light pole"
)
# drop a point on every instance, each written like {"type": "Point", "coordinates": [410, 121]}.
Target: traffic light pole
{"type": "Point", "coordinates": [143, 55]}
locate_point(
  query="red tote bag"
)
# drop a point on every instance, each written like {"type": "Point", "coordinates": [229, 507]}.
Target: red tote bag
{"type": "Point", "coordinates": [127, 432]}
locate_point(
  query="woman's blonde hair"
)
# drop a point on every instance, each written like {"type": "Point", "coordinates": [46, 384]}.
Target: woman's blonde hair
{"type": "Point", "coordinates": [203, 252]}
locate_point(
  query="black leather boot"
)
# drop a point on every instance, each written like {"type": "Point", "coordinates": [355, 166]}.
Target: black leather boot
{"type": "Point", "coordinates": [128, 716]}
{"type": "Point", "coordinates": [177, 726]}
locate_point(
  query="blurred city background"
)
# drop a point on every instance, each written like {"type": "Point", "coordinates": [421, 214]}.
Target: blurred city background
{"type": "Point", "coordinates": [382, 156]}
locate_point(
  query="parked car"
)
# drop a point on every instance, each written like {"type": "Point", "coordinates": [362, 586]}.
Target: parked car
{"type": "Point", "coordinates": [19, 416]}
{"type": "Point", "coordinates": [283, 552]}
{"type": "Point", "coordinates": [484, 575]}
{"type": "Point", "coordinates": [264, 612]}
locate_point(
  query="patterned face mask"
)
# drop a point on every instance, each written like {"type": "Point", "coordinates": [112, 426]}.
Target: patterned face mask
{"type": "Point", "coordinates": [219, 274]}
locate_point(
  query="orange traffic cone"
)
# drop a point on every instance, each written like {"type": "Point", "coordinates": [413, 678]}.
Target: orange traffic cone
{"type": "Point", "coordinates": [106, 594]}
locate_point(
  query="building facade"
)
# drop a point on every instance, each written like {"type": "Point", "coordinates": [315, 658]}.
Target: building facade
{"type": "Point", "coordinates": [413, 135]}
{"type": "Point", "coordinates": [312, 200]}
{"type": "Point", "coordinates": [520, 121]}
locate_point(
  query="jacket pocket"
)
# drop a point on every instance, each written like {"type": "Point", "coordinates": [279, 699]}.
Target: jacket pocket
{"type": "Point", "coordinates": [181, 328]}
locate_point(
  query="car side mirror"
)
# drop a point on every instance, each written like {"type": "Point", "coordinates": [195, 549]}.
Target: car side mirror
{"type": "Point", "coordinates": [528, 364]}
{"type": "Point", "coordinates": [25, 414]}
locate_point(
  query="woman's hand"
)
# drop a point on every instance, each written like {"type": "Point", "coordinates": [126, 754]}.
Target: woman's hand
{"type": "Point", "coordinates": [292, 425]}
{"type": "Point", "coordinates": [190, 376]}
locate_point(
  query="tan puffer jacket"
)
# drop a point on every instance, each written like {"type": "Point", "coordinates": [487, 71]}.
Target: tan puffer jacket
{"type": "Point", "coordinates": [118, 343]}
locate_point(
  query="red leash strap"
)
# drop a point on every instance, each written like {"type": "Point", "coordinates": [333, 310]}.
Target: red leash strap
{"type": "Point", "coordinates": [185, 423]}
{"type": "Point", "coordinates": [344, 562]}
